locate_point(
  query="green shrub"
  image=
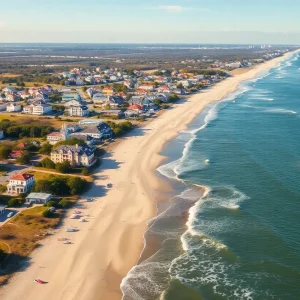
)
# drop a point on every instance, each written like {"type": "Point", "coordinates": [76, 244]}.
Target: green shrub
{"type": "Point", "coordinates": [14, 202]}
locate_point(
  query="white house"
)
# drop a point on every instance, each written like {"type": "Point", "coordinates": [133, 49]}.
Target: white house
{"type": "Point", "coordinates": [13, 107]}
{"type": "Point", "coordinates": [20, 183]}
{"type": "Point", "coordinates": [37, 109]}
{"type": "Point", "coordinates": [41, 198]}
{"type": "Point", "coordinates": [73, 103]}
{"type": "Point", "coordinates": [56, 137]}
{"type": "Point", "coordinates": [77, 111]}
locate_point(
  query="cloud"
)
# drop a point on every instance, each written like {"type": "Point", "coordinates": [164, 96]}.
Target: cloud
{"type": "Point", "coordinates": [176, 8]}
{"type": "Point", "coordinates": [173, 8]}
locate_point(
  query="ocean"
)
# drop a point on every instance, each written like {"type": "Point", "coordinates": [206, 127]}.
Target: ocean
{"type": "Point", "coordinates": [231, 229]}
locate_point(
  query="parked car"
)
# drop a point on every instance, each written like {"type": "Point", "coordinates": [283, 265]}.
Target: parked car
{"type": "Point", "coordinates": [10, 214]}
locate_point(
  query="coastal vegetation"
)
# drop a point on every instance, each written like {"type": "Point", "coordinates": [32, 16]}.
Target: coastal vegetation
{"type": "Point", "coordinates": [61, 185]}
{"type": "Point", "coordinates": [15, 129]}
{"type": "Point", "coordinates": [120, 128]}
{"type": "Point", "coordinates": [20, 236]}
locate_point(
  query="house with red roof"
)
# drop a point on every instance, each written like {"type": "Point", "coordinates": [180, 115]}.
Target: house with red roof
{"type": "Point", "coordinates": [15, 154]}
{"type": "Point", "coordinates": [20, 183]}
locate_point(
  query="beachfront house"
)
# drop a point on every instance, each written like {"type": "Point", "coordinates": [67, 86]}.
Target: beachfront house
{"type": "Point", "coordinates": [76, 155]}
{"type": "Point", "coordinates": [20, 183]}
{"type": "Point", "coordinates": [99, 132]}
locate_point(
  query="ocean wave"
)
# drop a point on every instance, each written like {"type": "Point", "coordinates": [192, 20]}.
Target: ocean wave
{"type": "Point", "coordinates": [271, 110]}
{"type": "Point", "coordinates": [280, 111]}
{"type": "Point", "coordinates": [261, 98]}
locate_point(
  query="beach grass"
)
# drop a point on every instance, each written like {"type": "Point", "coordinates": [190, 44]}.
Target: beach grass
{"type": "Point", "coordinates": [20, 236]}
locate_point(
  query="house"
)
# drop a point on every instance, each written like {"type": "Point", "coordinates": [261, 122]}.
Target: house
{"type": "Point", "coordinates": [40, 198]}
{"type": "Point", "coordinates": [112, 113]}
{"type": "Point", "coordinates": [12, 97]}
{"type": "Point", "coordinates": [2, 106]}
{"type": "Point", "coordinates": [77, 111]}
{"type": "Point", "coordinates": [76, 155]}
{"type": "Point", "coordinates": [24, 95]}
{"type": "Point", "coordinates": [136, 107]}
{"type": "Point", "coordinates": [38, 109]}
{"type": "Point", "coordinates": [73, 103]}
{"type": "Point", "coordinates": [20, 183]}
{"type": "Point", "coordinates": [133, 110]}
{"type": "Point", "coordinates": [86, 138]}
{"type": "Point", "coordinates": [13, 107]}
{"type": "Point", "coordinates": [164, 89]}
{"type": "Point", "coordinates": [22, 146]}
{"type": "Point", "coordinates": [108, 91]}
{"type": "Point", "coordinates": [99, 132]}
{"type": "Point", "coordinates": [56, 137]}
{"type": "Point", "coordinates": [71, 96]}
{"type": "Point", "coordinates": [1, 134]}
{"type": "Point", "coordinates": [141, 92]}
{"type": "Point", "coordinates": [136, 100]}
{"type": "Point", "coordinates": [99, 98]}
{"type": "Point", "coordinates": [147, 87]}
{"type": "Point", "coordinates": [15, 154]}
{"type": "Point", "coordinates": [9, 90]}
{"type": "Point", "coordinates": [115, 101]}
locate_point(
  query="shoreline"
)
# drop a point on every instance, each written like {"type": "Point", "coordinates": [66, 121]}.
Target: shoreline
{"type": "Point", "coordinates": [107, 247]}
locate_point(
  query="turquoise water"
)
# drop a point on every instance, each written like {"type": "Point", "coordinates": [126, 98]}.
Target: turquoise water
{"type": "Point", "coordinates": [242, 239]}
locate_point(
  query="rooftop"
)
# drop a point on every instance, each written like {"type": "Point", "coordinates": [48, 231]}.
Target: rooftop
{"type": "Point", "coordinates": [22, 177]}
{"type": "Point", "coordinates": [43, 196]}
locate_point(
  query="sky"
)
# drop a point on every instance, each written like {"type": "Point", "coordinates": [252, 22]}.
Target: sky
{"type": "Point", "coordinates": [151, 21]}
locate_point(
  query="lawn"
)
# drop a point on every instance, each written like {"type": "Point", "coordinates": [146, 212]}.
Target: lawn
{"type": "Point", "coordinates": [38, 120]}
{"type": "Point", "coordinates": [22, 235]}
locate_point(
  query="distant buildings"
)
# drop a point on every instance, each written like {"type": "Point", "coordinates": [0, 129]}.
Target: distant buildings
{"type": "Point", "coordinates": [13, 107]}
{"type": "Point", "coordinates": [38, 109]}
{"type": "Point", "coordinates": [71, 96]}
{"type": "Point", "coordinates": [20, 183]}
{"type": "Point", "coordinates": [76, 155]}
{"type": "Point", "coordinates": [77, 111]}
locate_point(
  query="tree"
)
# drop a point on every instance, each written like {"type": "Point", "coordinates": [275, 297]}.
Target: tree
{"type": "Point", "coordinates": [85, 171]}
{"type": "Point", "coordinates": [46, 148]}
{"type": "Point", "coordinates": [47, 214]}
{"type": "Point", "coordinates": [24, 159]}
{"type": "Point", "coordinates": [70, 142]}
{"type": "Point", "coordinates": [13, 202]}
{"type": "Point", "coordinates": [173, 98]}
{"type": "Point", "coordinates": [51, 204]}
{"type": "Point", "coordinates": [76, 185]}
{"type": "Point", "coordinates": [42, 186]}
{"type": "Point", "coordinates": [157, 102]}
{"type": "Point", "coordinates": [47, 163]}
{"type": "Point", "coordinates": [4, 152]}
{"type": "Point", "coordinates": [64, 203]}
{"type": "Point", "coordinates": [63, 167]}
{"type": "Point", "coordinates": [59, 186]}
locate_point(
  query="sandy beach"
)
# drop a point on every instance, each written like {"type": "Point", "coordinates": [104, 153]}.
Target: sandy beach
{"type": "Point", "coordinates": [106, 247]}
